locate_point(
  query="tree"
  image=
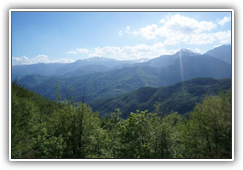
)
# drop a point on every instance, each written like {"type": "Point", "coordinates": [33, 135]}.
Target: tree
{"type": "Point", "coordinates": [136, 134]}
{"type": "Point", "coordinates": [158, 109]}
{"type": "Point", "coordinates": [207, 133]}
{"type": "Point", "coordinates": [166, 136]}
{"type": "Point", "coordinates": [73, 127]}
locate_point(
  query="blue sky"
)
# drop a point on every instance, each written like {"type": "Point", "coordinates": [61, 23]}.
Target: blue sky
{"type": "Point", "coordinates": [47, 37]}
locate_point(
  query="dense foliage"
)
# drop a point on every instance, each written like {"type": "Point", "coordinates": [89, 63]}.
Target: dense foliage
{"type": "Point", "coordinates": [180, 97]}
{"type": "Point", "coordinates": [66, 129]}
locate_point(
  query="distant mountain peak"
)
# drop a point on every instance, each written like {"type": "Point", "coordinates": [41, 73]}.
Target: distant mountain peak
{"type": "Point", "coordinates": [94, 59]}
{"type": "Point", "coordinates": [186, 51]}
{"type": "Point", "coordinates": [97, 58]}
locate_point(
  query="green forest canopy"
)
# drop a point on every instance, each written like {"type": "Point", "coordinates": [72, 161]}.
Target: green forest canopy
{"type": "Point", "coordinates": [46, 129]}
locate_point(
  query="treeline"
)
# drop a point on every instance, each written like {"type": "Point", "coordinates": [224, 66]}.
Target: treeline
{"type": "Point", "coordinates": [65, 129]}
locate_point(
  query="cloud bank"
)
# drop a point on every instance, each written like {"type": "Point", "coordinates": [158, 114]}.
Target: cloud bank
{"type": "Point", "coordinates": [177, 28]}
{"type": "Point", "coordinates": [171, 30]}
{"type": "Point", "coordinates": [38, 59]}
{"type": "Point", "coordinates": [132, 52]}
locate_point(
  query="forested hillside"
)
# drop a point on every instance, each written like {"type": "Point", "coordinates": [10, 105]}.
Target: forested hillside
{"type": "Point", "coordinates": [46, 129]}
{"type": "Point", "coordinates": [180, 97]}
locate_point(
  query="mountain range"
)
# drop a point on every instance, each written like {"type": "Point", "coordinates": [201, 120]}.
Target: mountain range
{"type": "Point", "coordinates": [59, 69]}
{"type": "Point", "coordinates": [177, 81]}
{"type": "Point", "coordinates": [64, 69]}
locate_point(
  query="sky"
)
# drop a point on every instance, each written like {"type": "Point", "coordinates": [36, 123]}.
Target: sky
{"type": "Point", "coordinates": [64, 37]}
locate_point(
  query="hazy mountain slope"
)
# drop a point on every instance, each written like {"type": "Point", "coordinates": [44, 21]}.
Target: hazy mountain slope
{"type": "Point", "coordinates": [58, 69]}
{"type": "Point", "coordinates": [222, 52]}
{"type": "Point", "coordinates": [50, 69]}
{"type": "Point", "coordinates": [166, 60]}
{"type": "Point", "coordinates": [180, 97]}
{"type": "Point", "coordinates": [101, 85]}
{"type": "Point", "coordinates": [119, 81]}
{"type": "Point", "coordinates": [89, 69]}
{"type": "Point", "coordinates": [32, 80]}
{"type": "Point", "coordinates": [188, 67]}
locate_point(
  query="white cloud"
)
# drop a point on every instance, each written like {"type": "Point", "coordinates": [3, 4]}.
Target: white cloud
{"type": "Point", "coordinates": [224, 20]}
{"type": "Point", "coordinates": [163, 51]}
{"type": "Point", "coordinates": [150, 31]}
{"type": "Point", "coordinates": [181, 25]}
{"type": "Point", "coordinates": [202, 39]}
{"type": "Point", "coordinates": [20, 61]}
{"type": "Point", "coordinates": [38, 59]}
{"type": "Point", "coordinates": [127, 29]}
{"type": "Point", "coordinates": [223, 36]}
{"type": "Point", "coordinates": [216, 46]}
{"type": "Point", "coordinates": [120, 32]}
{"type": "Point", "coordinates": [139, 51]}
{"type": "Point", "coordinates": [41, 59]}
{"type": "Point", "coordinates": [162, 21]}
{"type": "Point", "coordinates": [158, 45]}
{"type": "Point", "coordinates": [209, 38]}
{"type": "Point", "coordinates": [176, 25]}
{"type": "Point", "coordinates": [177, 28]}
{"type": "Point", "coordinates": [128, 51]}
{"type": "Point", "coordinates": [82, 50]}
{"type": "Point", "coordinates": [197, 50]}
{"type": "Point", "coordinates": [72, 52]}
{"type": "Point", "coordinates": [172, 41]}
{"type": "Point", "coordinates": [63, 60]}
{"type": "Point", "coordinates": [106, 51]}
{"type": "Point", "coordinates": [135, 32]}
